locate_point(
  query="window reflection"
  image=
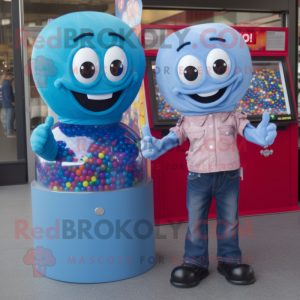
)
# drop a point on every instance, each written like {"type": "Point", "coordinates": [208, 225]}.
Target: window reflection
{"type": "Point", "coordinates": [8, 143]}
{"type": "Point", "coordinates": [180, 17]}
{"type": "Point", "coordinates": [37, 13]}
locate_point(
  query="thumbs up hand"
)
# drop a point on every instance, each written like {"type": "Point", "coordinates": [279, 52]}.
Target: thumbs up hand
{"type": "Point", "coordinates": [266, 131]}
{"type": "Point", "coordinates": [264, 134]}
{"type": "Point", "coordinates": [43, 142]}
{"type": "Point", "coordinates": [153, 148]}
{"type": "Point", "coordinates": [148, 144]}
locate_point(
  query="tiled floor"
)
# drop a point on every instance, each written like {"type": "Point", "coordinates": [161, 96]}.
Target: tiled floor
{"type": "Point", "coordinates": [272, 243]}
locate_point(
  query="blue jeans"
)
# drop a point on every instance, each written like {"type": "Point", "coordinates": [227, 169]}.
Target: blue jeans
{"type": "Point", "coordinates": [224, 187]}
{"type": "Point", "coordinates": [3, 110]}
{"type": "Point", "coordinates": [9, 115]}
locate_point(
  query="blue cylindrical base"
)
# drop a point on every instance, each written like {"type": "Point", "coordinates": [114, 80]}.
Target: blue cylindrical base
{"type": "Point", "coordinates": [93, 237]}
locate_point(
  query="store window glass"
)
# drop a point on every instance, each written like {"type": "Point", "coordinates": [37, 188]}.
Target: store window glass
{"type": "Point", "coordinates": [8, 143]}
{"type": "Point", "coordinates": [37, 13]}
{"type": "Point", "coordinates": [180, 17]}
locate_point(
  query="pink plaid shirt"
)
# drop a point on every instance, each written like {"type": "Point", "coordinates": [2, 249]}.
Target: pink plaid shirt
{"type": "Point", "coordinates": [212, 140]}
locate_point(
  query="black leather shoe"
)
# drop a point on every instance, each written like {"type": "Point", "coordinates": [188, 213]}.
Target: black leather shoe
{"type": "Point", "coordinates": [241, 274]}
{"type": "Point", "coordinates": [187, 275]}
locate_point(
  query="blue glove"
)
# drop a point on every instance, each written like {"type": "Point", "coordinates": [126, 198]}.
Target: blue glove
{"type": "Point", "coordinates": [153, 148]}
{"type": "Point", "coordinates": [264, 134]}
{"type": "Point", "coordinates": [43, 142]}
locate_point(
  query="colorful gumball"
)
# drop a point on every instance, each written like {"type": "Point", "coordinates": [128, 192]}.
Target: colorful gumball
{"type": "Point", "coordinates": [85, 183]}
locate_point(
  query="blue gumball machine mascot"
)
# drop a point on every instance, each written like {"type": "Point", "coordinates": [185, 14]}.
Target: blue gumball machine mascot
{"type": "Point", "coordinates": [92, 201]}
{"type": "Point", "coordinates": [203, 77]}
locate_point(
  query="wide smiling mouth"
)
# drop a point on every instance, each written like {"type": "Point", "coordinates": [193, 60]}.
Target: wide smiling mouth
{"type": "Point", "coordinates": [209, 97]}
{"type": "Point", "coordinates": [99, 102]}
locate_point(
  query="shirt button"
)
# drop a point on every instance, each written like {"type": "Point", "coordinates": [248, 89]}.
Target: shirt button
{"type": "Point", "coordinates": [211, 147]}
{"type": "Point", "coordinates": [210, 126]}
{"type": "Point", "coordinates": [210, 115]}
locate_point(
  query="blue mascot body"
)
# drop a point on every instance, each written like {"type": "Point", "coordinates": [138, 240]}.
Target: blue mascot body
{"type": "Point", "coordinates": [88, 70]}
{"type": "Point", "coordinates": [90, 173]}
{"type": "Point", "coordinates": [203, 72]}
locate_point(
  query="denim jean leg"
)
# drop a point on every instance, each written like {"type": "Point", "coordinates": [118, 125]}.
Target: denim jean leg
{"type": "Point", "coordinates": [227, 197]}
{"type": "Point", "coordinates": [9, 112]}
{"type": "Point", "coordinates": [199, 198]}
{"type": "Point", "coordinates": [3, 111]}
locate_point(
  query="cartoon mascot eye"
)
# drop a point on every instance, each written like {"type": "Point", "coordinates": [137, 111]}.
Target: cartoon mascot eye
{"type": "Point", "coordinates": [85, 65]}
{"type": "Point", "coordinates": [189, 70]}
{"type": "Point", "coordinates": [115, 64]}
{"type": "Point", "coordinates": [218, 63]}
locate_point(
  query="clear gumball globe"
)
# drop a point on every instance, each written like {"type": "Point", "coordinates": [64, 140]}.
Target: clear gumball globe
{"type": "Point", "coordinates": [93, 159]}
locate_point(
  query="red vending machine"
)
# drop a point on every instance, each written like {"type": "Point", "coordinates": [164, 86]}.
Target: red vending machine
{"type": "Point", "coordinates": [269, 176]}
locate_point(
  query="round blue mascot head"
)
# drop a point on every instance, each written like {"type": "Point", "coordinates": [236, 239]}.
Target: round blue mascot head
{"type": "Point", "coordinates": [88, 67]}
{"type": "Point", "coordinates": [203, 69]}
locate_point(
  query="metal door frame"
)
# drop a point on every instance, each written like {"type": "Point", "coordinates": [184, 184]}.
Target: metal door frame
{"type": "Point", "coordinates": [32, 32]}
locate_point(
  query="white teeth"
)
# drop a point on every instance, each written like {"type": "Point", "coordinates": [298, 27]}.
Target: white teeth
{"type": "Point", "coordinates": [208, 94]}
{"type": "Point", "coordinates": [99, 97]}
{"type": "Point", "coordinates": [68, 164]}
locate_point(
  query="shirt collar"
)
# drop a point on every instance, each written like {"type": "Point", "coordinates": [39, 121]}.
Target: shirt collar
{"type": "Point", "coordinates": [222, 116]}
{"type": "Point", "coordinates": [200, 120]}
